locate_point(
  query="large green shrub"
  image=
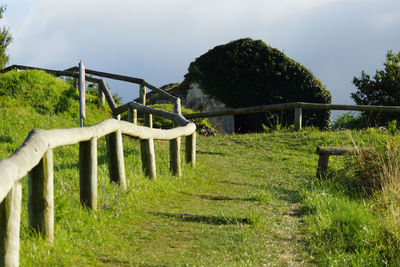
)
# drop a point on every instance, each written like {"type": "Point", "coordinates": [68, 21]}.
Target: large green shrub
{"type": "Point", "coordinates": [250, 73]}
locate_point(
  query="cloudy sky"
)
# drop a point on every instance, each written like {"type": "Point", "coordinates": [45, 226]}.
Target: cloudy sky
{"type": "Point", "coordinates": [157, 39]}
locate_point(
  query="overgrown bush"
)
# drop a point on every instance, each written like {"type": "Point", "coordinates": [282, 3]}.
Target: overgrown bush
{"type": "Point", "coordinates": [249, 73]}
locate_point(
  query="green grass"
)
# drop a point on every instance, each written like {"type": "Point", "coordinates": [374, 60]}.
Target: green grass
{"type": "Point", "coordinates": [252, 200]}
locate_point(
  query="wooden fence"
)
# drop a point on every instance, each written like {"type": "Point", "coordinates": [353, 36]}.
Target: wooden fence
{"type": "Point", "coordinates": [35, 158]}
{"type": "Point", "coordinates": [297, 106]}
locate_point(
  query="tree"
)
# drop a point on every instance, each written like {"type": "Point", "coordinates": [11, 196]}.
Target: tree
{"type": "Point", "coordinates": [5, 39]}
{"type": "Point", "coordinates": [382, 89]}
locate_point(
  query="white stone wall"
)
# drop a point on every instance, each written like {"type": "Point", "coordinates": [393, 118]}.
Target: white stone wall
{"type": "Point", "coordinates": [196, 99]}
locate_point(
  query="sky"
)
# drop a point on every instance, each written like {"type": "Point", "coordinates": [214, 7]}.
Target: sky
{"type": "Point", "coordinates": [157, 39]}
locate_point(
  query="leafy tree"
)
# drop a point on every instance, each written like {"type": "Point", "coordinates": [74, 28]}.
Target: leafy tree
{"type": "Point", "coordinates": [382, 89]}
{"type": "Point", "coordinates": [5, 39]}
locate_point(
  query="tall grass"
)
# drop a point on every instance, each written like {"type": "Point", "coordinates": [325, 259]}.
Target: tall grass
{"type": "Point", "coordinates": [353, 217]}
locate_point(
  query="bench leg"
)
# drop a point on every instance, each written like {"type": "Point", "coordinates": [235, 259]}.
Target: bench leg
{"type": "Point", "coordinates": [322, 165]}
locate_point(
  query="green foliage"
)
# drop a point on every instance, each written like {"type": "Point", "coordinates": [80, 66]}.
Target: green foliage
{"type": "Point", "coordinates": [392, 127]}
{"type": "Point", "coordinates": [382, 89]}
{"type": "Point", "coordinates": [349, 120]}
{"type": "Point", "coordinates": [249, 73]}
{"type": "Point", "coordinates": [45, 93]}
{"type": "Point", "coordinates": [5, 40]}
{"type": "Point", "coordinates": [344, 232]}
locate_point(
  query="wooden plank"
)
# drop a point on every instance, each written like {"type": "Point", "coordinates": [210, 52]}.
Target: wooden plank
{"type": "Point", "coordinates": [88, 173]}
{"type": "Point", "coordinates": [110, 99]}
{"type": "Point", "coordinates": [325, 152]}
{"type": "Point", "coordinates": [41, 197]}
{"type": "Point", "coordinates": [115, 158]}
{"type": "Point", "coordinates": [190, 149]}
{"type": "Point", "coordinates": [10, 218]}
{"type": "Point", "coordinates": [329, 150]}
{"type": "Point", "coordinates": [246, 110]}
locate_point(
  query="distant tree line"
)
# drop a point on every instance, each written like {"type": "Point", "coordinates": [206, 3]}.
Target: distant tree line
{"type": "Point", "coordinates": [5, 40]}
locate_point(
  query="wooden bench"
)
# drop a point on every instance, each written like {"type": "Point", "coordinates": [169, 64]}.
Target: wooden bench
{"type": "Point", "coordinates": [325, 152]}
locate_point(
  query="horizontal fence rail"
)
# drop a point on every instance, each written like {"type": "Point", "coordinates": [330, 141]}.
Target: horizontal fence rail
{"type": "Point", "coordinates": [285, 106]}
{"type": "Point", "coordinates": [39, 141]}
{"type": "Point", "coordinates": [297, 106]}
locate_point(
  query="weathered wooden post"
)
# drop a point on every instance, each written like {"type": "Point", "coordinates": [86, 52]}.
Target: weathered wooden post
{"type": "Point", "coordinates": [41, 197]}
{"type": "Point", "coordinates": [175, 146]}
{"type": "Point", "coordinates": [323, 161]}
{"type": "Point", "coordinates": [148, 118]}
{"type": "Point", "coordinates": [101, 95]}
{"type": "Point", "coordinates": [10, 218]}
{"type": "Point", "coordinates": [115, 158]}
{"type": "Point", "coordinates": [147, 146]}
{"type": "Point", "coordinates": [297, 118]}
{"type": "Point", "coordinates": [148, 158]}
{"type": "Point", "coordinates": [190, 149]}
{"type": "Point", "coordinates": [88, 173]}
{"type": "Point", "coordinates": [132, 115]}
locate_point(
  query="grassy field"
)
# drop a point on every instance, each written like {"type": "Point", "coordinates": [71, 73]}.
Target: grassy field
{"type": "Point", "coordinates": [252, 200]}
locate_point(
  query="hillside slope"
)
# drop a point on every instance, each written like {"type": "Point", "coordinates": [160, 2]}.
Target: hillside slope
{"type": "Point", "coordinates": [252, 200]}
{"type": "Point", "coordinates": [35, 99]}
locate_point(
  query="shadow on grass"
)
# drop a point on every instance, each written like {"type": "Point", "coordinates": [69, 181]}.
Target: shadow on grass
{"type": "Point", "coordinates": [210, 153]}
{"type": "Point", "coordinates": [263, 187]}
{"type": "Point", "coordinates": [287, 195]}
{"type": "Point", "coordinates": [117, 262]}
{"type": "Point", "coordinates": [222, 198]}
{"type": "Point", "coordinates": [207, 219]}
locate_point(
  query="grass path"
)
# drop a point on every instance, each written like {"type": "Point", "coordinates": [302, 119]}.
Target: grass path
{"type": "Point", "coordinates": [239, 207]}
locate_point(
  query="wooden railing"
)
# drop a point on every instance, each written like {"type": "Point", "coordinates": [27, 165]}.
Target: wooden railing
{"type": "Point", "coordinates": [35, 158]}
{"type": "Point", "coordinates": [297, 106]}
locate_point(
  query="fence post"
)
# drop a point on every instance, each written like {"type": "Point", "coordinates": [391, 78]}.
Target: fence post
{"type": "Point", "coordinates": [115, 158]}
{"type": "Point", "coordinates": [41, 197]}
{"type": "Point", "coordinates": [132, 115]}
{"type": "Point", "coordinates": [148, 118]}
{"type": "Point", "coordinates": [148, 158]}
{"type": "Point", "coordinates": [322, 165]}
{"type": "Point", "coordinates": [88, 173]}
{"type": "Point", "coordinates": [190, 149]}
{"type": "Point", "coordinates": [297, 118]}
{"type": "Point", "coordinates": [175, 146]}
{"type": "Point", "coordinates": [10, 218]}
{"type": "Point", "coordinates": [101, 96]}
{"type": "Point", "coordinates": [147, 146]}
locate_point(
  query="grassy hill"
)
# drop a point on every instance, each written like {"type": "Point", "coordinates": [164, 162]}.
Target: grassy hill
{"type": "Point", "coordinates": [252, 200]}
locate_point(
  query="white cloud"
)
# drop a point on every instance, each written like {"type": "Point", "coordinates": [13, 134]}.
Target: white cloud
{"type": "Point", "coordinates": [157, 39]}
